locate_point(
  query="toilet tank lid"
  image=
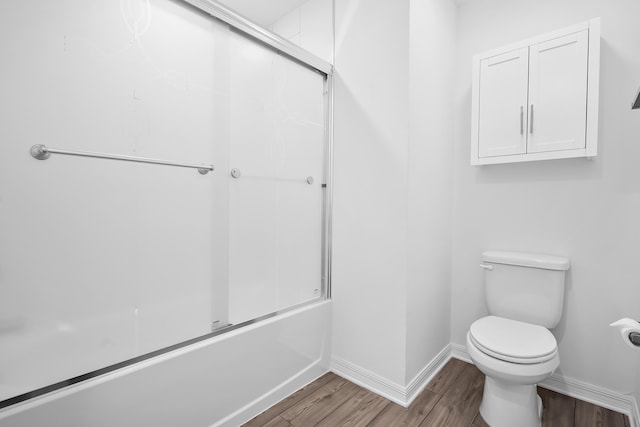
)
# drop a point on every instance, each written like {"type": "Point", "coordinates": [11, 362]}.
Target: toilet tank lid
{"type": "Point", "coordinates": [527, 259]}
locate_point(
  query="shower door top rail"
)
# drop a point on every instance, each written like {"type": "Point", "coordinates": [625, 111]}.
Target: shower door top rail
{"type": "Point", "coordinates": [225, 14]}
{"type": "Point", "coordinates": [42, 152]}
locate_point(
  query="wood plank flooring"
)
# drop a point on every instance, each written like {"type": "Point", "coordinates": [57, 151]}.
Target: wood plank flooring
{"type": "Point", "coordinates": [452, 398]}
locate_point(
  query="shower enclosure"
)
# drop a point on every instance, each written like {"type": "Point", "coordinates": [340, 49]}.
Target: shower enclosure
{"type": "Point", "coordinates": [106, 262]}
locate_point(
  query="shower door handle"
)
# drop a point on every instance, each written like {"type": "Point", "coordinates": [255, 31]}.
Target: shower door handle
{"type": "Point", "coordinates": [236, 173]}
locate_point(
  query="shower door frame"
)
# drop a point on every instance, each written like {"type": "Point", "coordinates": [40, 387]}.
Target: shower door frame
{"type": "Point", "coordinates": [305, 59]}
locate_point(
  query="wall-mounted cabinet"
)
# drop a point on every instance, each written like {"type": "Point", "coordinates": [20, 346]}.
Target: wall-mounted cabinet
{"type": "Point", "coordinates": [537, 99]}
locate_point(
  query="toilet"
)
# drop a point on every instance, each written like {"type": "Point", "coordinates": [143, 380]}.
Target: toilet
{"type": "Point", "coordinates": [513, 346]}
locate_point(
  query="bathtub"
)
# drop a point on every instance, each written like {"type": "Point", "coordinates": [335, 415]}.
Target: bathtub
{"type": "Point", "coordinates": [222, 381]}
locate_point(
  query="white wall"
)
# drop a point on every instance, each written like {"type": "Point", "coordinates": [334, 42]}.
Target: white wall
{"type": "Point", "coordinates": [370, 196]}
{"type": "Point", "coordinates": [393, 153]}
{"type": "Point", "coordinates": [309, 26]}
{"type": "Point", "coordinates": [395, 187]}
{"type": "Point", "coordinates": [431, 78]}
{"type": "Point", "coordinates": [586, 210]}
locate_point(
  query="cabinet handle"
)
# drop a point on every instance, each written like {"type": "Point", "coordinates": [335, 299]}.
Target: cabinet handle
{"type": "Point", "coordinates": [531, 120]}
{"type": "Point", "coordinates": [521, 120]}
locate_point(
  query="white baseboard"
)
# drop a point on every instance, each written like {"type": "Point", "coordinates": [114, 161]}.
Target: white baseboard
{"type": "Point", "coordinates": [460, 352]}
{"type": "Point", "coordinates": [402, 395]}
{"type": "Point", "coordinates": [577, 389]}
{"type": "Point", "coordinates": [420, 381]}
{"type": "Point", "coordinates": [593, 394]}
{"type": "Point", "coordinates": [635, 414]}
{"type": "Point", "coordinates": [369, 380]}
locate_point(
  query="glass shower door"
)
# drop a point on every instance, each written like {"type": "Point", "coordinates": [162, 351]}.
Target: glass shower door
{"type": "Point", "coordinates": [106, 263]}
{"type": "Point", "coordinates": [276, 159]}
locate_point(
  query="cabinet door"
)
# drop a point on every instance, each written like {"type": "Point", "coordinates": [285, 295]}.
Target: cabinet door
{"type": "Point", "coordinates": [502, 105]}
{"type": "Point", "coordinates": [558, 93]}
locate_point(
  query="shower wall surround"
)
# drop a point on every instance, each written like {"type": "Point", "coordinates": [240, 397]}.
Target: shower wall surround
{"type": "Point", "coordinates": [309, 26]}
{"type": "Point", "coordinates": [104, 261]}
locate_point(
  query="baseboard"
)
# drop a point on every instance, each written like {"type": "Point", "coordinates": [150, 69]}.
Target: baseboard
{"type": "Point", "coordinates": [402, 395]}
{"type": "Point", "coordinates": [420, 381]}
{"type": "Point", "coordinates": [591, 393]}
{"type": "Point", "coordinates": [460, 352]}
{"type": "Point", "coordinates": [369, 380]}
{"type": "Point", "coordinates": [577, 389]}
{"type": "Point", "coordinates": [635, 414]}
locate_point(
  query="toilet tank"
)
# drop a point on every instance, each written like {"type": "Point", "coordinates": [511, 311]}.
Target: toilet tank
{"type": "Point", "coordinates": [525, 286]}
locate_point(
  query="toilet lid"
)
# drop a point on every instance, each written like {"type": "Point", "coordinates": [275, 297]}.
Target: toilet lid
{"type": "Point", "coordinates": [512, 340]}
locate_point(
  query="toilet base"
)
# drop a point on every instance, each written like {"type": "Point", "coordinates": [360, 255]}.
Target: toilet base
{"type": "Point", "coordinates": [506, 405]}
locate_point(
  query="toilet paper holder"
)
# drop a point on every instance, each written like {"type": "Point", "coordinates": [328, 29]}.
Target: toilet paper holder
{"type": "Point", "coordinates": [634, 337]}
{"type": "Point", "coordinates": [629, 330]}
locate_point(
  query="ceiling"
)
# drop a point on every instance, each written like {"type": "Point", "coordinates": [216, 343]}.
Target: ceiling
{"type": "Point", "coordinates": [262, 12]}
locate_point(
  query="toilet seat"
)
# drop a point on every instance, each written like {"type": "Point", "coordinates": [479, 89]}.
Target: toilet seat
{"type": "Point", "coordinates": [512, 340]}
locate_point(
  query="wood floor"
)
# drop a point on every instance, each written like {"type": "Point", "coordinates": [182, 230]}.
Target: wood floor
{"type": "Point", "coordinates": [452, 398]}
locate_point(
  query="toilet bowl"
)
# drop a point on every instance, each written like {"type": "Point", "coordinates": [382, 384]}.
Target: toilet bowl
{"type": "Point", "coordinates": [513, 346]}
{"type": "Point", "coordinates": [514, 356]}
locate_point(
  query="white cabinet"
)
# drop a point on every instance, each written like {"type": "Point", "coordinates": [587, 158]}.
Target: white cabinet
{"type": "Point", "coordinates": [537, 99]}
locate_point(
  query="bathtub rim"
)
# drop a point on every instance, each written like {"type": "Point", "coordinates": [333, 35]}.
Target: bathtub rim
{"type": "Point", "coordinates": [63, 388]}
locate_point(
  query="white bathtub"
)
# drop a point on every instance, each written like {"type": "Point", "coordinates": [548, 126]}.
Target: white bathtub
{"type": "Point", "coordinates": [222, 381]}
